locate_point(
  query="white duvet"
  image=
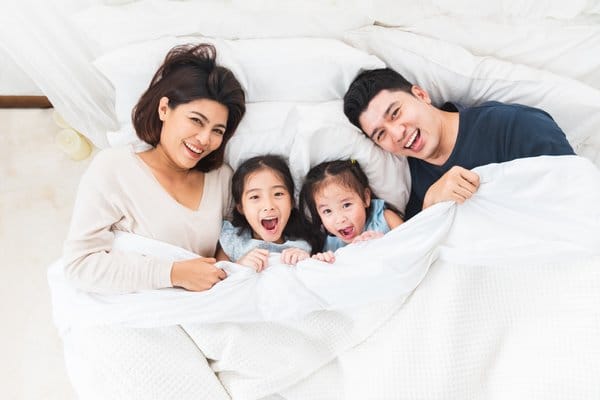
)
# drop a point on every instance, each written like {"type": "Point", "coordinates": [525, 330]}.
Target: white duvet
{"type": "Point", "coordinates": [509, 308]}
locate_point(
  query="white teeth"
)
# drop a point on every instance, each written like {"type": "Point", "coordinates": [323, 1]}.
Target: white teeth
{"type": "Point", "coordinates": [412, 139]}
{"type": "Point", "coordinates": [193, 148]}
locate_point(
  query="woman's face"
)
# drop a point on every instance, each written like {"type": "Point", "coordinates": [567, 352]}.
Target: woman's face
{"type": "Point", "coordinates": [342, 211]}
{"type": "Point", "coordinates": [266, 204]}
{"type": "Point", "coordinates": [191, 131]}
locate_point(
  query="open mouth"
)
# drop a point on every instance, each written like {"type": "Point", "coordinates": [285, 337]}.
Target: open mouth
{"type": "Point", "coordinates": [270, 224]}
{"type": "Point", "coordinates": [195, 150]}
{"type": "Point", "coordinates": [413, 138]}
{"type": "Point", "coordinates": [347, 233]}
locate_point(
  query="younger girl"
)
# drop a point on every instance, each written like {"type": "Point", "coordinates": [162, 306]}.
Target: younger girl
{"type": "Point", "coordinates": [264, 217]}
{"type": "Point", "coordinates": [340, 203]}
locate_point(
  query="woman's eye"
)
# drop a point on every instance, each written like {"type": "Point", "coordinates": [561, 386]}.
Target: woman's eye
{"type": "Point", "coordinates": [219, 132]}
{"type": "Point", "coordinates": [253, 197]}
{"type": "Point", "coordinates": [380, 135]}
{"type": "Point", "coordinates": [395, 113]}
{"type": "Point", "coordinates": [326, 211]}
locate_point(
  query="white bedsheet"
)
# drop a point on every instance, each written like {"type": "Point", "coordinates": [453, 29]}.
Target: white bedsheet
{"type": "Point", "coordinates": [509, 309]}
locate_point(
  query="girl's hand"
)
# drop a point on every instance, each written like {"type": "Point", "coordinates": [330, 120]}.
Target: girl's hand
{"type": "Point", "coordinates": [293, 255]}
{"type": "Point", "coordinates": [257, 259]}
{"type": "Point", "coordinates": [367, 235]}
{"type": "Point", "coordinates": [327, 257]}
{"type": "Point", "coordinates": [197, 274]}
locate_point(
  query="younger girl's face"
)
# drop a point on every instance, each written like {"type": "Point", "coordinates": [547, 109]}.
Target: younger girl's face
{"type": "Point", "coordinates": [266, 205]}
{"type": "Point", "coordinates": [342, 210]}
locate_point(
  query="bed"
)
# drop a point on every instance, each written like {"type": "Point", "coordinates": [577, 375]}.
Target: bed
{"type": "Point", "coordinates": [497, 298]}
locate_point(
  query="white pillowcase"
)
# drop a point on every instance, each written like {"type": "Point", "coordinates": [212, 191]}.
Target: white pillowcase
{"type": "Point", "coordinates": [450, 73]}
{"type": "Point", "coordinates": [111, 27]}
{"type": "Point", "coordinates": [260, 132]}
{"type": "Point", "coordinates": [288, 69]}
{"type": "Point", "coordinates": [321, 132]}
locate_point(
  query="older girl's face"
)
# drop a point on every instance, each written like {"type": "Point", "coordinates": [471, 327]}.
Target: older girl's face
{"type": "Point", "coordinates": [191, 131]}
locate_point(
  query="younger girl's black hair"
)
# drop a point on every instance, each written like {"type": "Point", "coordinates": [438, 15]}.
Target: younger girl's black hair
{"type": "Point", "coordinates": [347, 173]}
{"type": "Point", "coordinates": [295, 229]}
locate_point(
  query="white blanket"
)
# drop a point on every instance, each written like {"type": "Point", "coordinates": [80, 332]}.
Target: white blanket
{"type": "Point", "coordinates": [509, 309]}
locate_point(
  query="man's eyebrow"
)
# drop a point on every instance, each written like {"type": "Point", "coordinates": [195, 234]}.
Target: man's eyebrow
{"type": "Point", "coordinates": [386, 112]}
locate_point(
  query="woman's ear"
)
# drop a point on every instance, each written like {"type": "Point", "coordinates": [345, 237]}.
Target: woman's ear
{"type": "Point", "coordinates": [367, 197]}
{"type": "Point", "coordinates": [163, 107]}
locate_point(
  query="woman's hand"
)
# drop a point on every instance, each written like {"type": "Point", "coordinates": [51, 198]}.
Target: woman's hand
{"type": "Point", "coordinates": [257, 259]}
{"type": "Point", "coordinates": [293, 255]}
{"type": "Point", "coordinates": [367, 235]}
{"type": "Point", "coordinates": [327, 257]}
{"type": "Point", "coordinates": [197, 274]}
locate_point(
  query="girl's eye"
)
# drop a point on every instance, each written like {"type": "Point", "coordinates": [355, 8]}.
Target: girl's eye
{"type": "Point", "coordinates": [253, 197]}
{"type": "Point", "coordinates": [279, 194]}
{"type": "Point", "coordinates": [219, 132]}
{"type": "Point", "coordinates": [326, 211]}
{"type": "Point", "coordinates": [395, 113]}
{"type": "Point", "coordinates": [346, 205]}
{"type": "Point", "coordinates": [379, 135]}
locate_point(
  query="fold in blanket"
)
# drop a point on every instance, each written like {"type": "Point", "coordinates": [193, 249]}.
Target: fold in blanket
{"type": "Point", "coordinates": [537, 209]}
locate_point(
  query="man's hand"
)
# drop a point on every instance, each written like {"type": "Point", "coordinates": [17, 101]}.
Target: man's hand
{"type": "Point", "coordinates": [458, 184]}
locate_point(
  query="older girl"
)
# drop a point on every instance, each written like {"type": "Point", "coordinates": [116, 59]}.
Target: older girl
{"type": "Point", "coordinates": [265, 218]}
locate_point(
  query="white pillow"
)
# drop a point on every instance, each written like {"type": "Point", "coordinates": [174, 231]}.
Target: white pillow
{"type": "Point", "coordinates": [406, 12]}
{"type": "Point", "coordinates": [260, 132]}
{"type": "Point", "coordinates": [111, 27]}
{"type": "Point", "coordinates": [322, 132]}
{"type": "Point", "coordinates": [450, 73]}
{"type": "Point", "coordinates": [293, 69]}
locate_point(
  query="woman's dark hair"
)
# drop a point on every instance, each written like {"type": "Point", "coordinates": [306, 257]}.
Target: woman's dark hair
{"type": "Point", "coordinates": [367, 85]}
{"type": "Point", "coordinates": [346, 173]}
{"type": "Point", "coordinates": [294, 228]}
{"type": "Point", "coordinates": [189, 73]}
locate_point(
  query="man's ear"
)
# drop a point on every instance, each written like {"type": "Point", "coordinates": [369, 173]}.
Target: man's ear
{"type": "Point", "coordinates": [163, 107]}
{"type": "Point", "coordinates": [367, 197]}
{"type": "Point", "coordinates": [420, 93]}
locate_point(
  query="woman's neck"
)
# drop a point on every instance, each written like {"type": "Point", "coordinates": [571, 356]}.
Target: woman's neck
{"type": "Point", "coordinates": [158, 160]}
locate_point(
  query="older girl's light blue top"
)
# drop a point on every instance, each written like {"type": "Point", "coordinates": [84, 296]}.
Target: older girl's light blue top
{"type": "Point", "coordinates": [236, 244]}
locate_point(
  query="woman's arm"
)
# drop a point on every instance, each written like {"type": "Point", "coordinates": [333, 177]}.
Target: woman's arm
{"type": "Point", "coordinates": [91, 264]}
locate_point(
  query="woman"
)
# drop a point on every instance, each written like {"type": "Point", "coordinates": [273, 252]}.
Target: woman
{"type": "Point", "coordinates": [176, 192]}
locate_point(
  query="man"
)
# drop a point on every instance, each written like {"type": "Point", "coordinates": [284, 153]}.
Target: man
{"type": "Point", "coordinates": [442, 145]}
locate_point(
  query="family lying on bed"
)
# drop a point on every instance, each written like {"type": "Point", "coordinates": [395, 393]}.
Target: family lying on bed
{"type": "Point", "coordinates": [178, 191]}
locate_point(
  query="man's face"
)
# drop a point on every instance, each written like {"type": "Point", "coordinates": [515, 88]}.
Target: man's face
{"type": "Point", "coordinates": [402, 123]}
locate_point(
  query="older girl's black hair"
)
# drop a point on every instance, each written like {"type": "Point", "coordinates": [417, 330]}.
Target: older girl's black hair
{"type": "Point", "coordinates": [295, 229]}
